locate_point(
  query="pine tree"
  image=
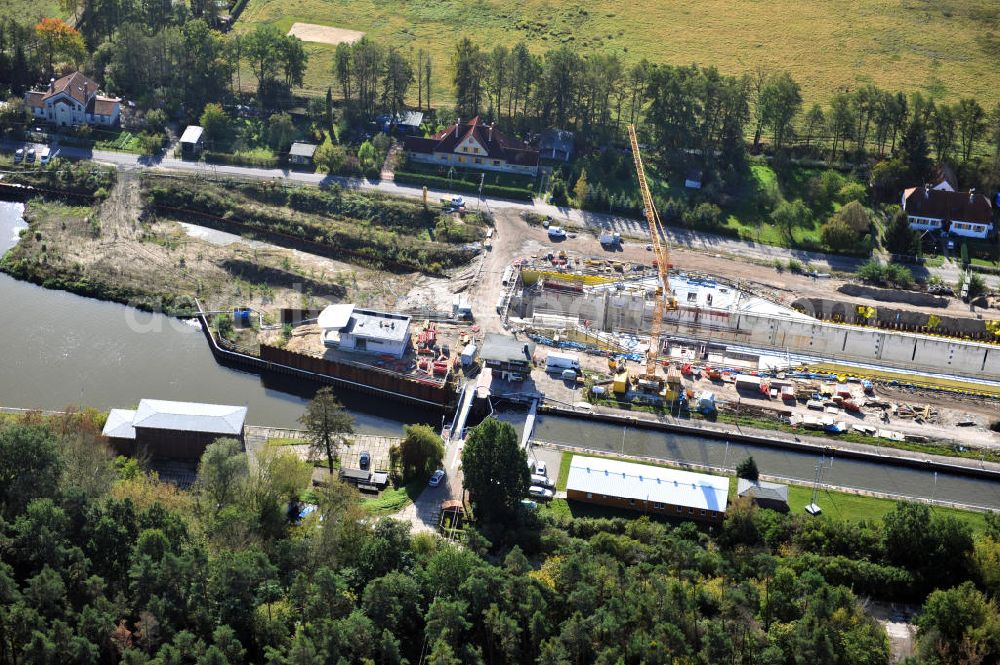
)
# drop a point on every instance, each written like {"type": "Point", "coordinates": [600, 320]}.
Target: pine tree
{"type": "Point", "coordinates": [914, 151]}
{"type": "Point", "coordinates": [581, 188]}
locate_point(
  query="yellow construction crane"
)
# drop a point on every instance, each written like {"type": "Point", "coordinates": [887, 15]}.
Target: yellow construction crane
{"type": "Point", "coordinates": [664, 298]}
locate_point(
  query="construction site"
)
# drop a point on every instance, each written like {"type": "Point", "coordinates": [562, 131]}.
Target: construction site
{"type": "Point", "coordinates": [642, 335]}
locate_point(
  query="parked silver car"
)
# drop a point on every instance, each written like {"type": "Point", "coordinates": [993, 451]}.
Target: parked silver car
{"type": "Point", "coordinates": [539, 492]}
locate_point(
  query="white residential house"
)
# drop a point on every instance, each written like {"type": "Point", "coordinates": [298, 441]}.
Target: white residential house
{"type": "Point", "coordinates": [351, 328]}
{"type": "Point", "coordinates": [967, 214]}
{"type": "Point", "coordinates": [73, 100]}
{"type": "Point", "coordinates": [473, 145]}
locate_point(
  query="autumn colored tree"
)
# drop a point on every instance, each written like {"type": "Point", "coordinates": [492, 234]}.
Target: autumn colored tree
{"type": "Point", "coordinates": [60, 40]}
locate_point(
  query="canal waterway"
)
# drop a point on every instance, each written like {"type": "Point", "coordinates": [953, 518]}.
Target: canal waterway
{"type": "Point", "coordinates": [57, 349]}
{"type": "Point", "coordinates": [615, 439]}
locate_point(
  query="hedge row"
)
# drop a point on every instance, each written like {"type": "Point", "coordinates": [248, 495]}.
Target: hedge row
{"type": "Point", "coordinates": [233, 159]}
{"type": "Point", "coordinates": [354, 237]}
{"type": "Point", "coordinates": [516, 193]}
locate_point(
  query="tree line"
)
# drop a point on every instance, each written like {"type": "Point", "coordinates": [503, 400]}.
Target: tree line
{"type": "Point", "coordinates": [103, 563]}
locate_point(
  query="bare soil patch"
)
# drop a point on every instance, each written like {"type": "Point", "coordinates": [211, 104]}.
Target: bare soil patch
{"type": "Point", "coordinates": [324, 34]}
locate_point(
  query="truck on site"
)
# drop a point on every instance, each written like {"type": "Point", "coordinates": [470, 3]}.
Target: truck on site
{"type": "Point", "coordinates": [609, 240]}
{"type": "Point", "coordinates": [508, 275]}
{"type": "Point", "coordinates": [557, 232]}
{"type": "Point", "coordinates": [559, 361]}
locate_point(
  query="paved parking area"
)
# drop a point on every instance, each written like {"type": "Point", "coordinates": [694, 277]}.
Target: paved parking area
{"type": "Point", "coordinates": [376, 446]}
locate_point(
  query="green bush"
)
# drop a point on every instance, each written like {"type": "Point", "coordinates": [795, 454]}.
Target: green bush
{"type": "Point", "coordinates": [516, 193]}
{"type": "Point", "coordinates": [241, 160]}
{"type": "Point", "coordinates": [892, 274]}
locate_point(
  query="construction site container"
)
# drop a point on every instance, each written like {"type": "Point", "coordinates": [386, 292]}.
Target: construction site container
{"type": "Point", "coordinates": [620, 383]}
{"type": "Point", "coordinates": [468, 354]}
{"type": "Point", "coordinates": [558, 361]}
{"type": "Point", "coordinates": [748, 382]}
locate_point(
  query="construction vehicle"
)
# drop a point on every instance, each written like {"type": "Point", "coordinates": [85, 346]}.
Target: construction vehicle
{"type": "Point", "coordinates": [664, 298]}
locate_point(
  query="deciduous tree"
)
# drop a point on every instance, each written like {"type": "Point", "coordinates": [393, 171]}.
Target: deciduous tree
{"type": "Point", "coordinates": [495, 468]}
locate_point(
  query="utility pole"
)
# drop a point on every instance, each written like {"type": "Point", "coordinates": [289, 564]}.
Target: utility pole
{"type": "Point", "coordinates": [813, 508]}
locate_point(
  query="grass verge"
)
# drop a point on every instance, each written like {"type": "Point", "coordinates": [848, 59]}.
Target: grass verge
{"type": "Point", "coordinates": [837, 505]}
{"type": "Point", "coordinates": [394, 499]}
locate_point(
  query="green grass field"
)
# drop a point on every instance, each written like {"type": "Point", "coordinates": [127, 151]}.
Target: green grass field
{"type": "Point", "coordinates": [837, 505]}
{"type": "Point", "coordinates": [31, 10]}
{"type": "Point", "coordinates": [948, 49]}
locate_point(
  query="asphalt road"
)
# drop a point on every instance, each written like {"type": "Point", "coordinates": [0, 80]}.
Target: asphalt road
{"type": "Point", "coordinates": [627, 226]}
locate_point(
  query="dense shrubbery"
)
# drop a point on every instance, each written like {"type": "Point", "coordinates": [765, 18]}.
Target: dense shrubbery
{"type": "Point", "coordinates": [433, 181]}
{"type": "Point", "coordinates": [62, 175]}
{"type": "Point", "coordinates": [236, 159]}
{"type": "Point", "coordinates": [334, 235]}
{"type": "Point", "coordinates": [885, 274]}
{"type": "Point", "coordinates": [104, 564]}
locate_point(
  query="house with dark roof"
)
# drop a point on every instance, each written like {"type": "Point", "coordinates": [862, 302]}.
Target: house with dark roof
{"type": "Point", "coordinates": [966, 214]}
{"type": "Point", "coordinates": [73, 100]}
{"type": "Point", "coordinates": [511, 359]}
{"type": "Point", "coordinates": [473, 145]}
{"type": "Point", "coordinates": [556, 144]}
{"type": "Point", "coordinates": [764, 494]}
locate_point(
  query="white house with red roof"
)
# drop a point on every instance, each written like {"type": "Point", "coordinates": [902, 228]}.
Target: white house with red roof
{"type": "Point", "coordinates": [473, 145]}
{"type": "Point", "coordinates": [73, 100]}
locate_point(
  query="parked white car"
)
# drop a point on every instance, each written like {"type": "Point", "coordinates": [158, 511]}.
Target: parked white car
{"type": "Point", "coordinates": [557, 232]}
{"type": "Point", "coordinates": [540, 492]}
{"type": "Point", "coordinates": [436, 478]}
{"type": "Point", "coordinates": [540, 468]}
{"type": "Point", "coordinates": [541, 481]}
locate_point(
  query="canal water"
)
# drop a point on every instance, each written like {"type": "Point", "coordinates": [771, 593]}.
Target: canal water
{"type": "Point", "coordinates": [858, 474]}
{"type": "Point", "coordinates": [57, 349]}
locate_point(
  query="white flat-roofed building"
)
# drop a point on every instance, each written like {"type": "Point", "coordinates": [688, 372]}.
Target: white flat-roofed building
{"type": "Point", "coordinates": [348, 328]}
{"type": "Point", "coordinates": [648, 489]}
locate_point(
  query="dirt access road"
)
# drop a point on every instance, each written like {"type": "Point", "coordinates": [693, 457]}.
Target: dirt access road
{"type": "Point", "coordinates": [516, 238]}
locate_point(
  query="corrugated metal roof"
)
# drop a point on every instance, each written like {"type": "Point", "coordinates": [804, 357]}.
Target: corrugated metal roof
{"type": "Point", "coordinates": [119, 424]}
{"type": "Point", "coordinates": [190, 417]}
{"type": "Point", "coordinates": [302, 149]}
{"type": "Point", "coordinates": [192, 134]}
{"type": "Point", "coordinates": [506, 349]}
{"type": "Point", "coordinates": [627, 480]}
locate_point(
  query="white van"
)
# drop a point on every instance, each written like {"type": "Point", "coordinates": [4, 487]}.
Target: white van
{"type": "Point", "coordinates": [557, 361]}
{"type": "Point", "coordinates": [45, 155]}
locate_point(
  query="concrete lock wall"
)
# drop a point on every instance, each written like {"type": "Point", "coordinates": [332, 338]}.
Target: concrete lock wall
{"type": "Point", "coordinates": [624, 311]}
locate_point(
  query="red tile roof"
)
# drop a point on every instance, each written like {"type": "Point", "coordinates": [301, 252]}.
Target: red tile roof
{"type": "Point", "coordinates": [495, 143]}
{"type": "Point", "coordinates": [36, 99]}
{"type": "Point", "coordinates": [102, 105]}
{"type": "Point", "coordinates": [952, 206]}
{"type": "Point", "coordinates": [76, 85]}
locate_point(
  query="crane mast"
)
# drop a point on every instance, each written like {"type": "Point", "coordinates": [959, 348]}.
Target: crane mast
{"type": "Point", "coordinates": [664, 299]}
